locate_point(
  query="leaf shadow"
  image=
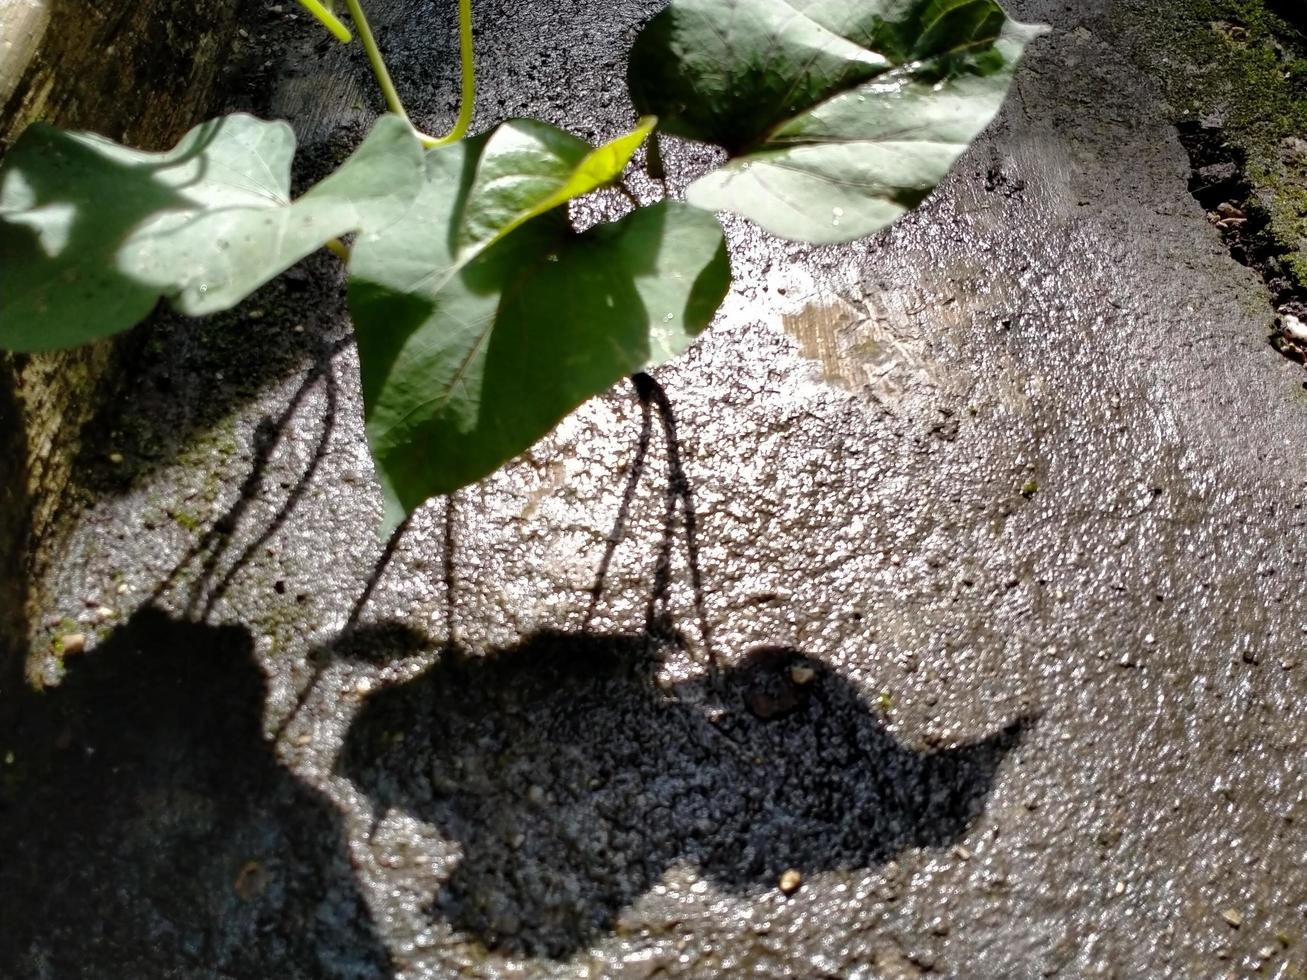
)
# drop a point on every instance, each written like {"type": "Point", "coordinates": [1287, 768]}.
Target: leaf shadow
{"type": "Point", "coordinates": [572, 780]}
{"type": "Point", "coordinates": [571, 775]}
{"type": "Point", "coordinates": [149, 827]}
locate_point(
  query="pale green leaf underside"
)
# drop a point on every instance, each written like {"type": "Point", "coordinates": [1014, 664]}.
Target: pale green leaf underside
{"type": "Point", "coordinates": [93, 233]}
{"type": "Point", "coordinates": [839, 117]}
{"type": "Point", "coordinates": [468, 356]}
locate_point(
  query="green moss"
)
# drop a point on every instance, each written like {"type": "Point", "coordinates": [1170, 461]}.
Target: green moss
{"type": "Point", "coordinates": [1237, 61]}
{"type": "Point", "coordinates": [187, 520]}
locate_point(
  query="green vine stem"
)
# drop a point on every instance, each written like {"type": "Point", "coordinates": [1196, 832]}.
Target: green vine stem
{"type": "Point", "coordinates": [328, 20]}
{"type": "Point", "coordinates": [467, 100]}
{"type": "Point", "coordinates": [388, 90]}
{"type": "Point", "coordinates": [375, 60]}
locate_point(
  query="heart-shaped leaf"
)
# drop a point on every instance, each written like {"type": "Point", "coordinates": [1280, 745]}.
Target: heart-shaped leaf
{"type": "Point", "coordinates": [469, 355]}
{"type": "Point", "coordinates": [838, 116]}
{"type": "Point", "coordinates": [93, 233]}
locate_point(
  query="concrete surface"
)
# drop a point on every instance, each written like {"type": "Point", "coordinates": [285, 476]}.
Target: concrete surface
{"type": "Point", "coordinates": [1005, 589]}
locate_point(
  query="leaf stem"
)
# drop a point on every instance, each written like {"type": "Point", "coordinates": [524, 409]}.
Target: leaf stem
{"type": "Point", "coordinates": [467, 68]}
{"type": "Point", "coordinates": [337, 248]}
{"type": "Point", "coordinates": [375, 60]}
{"type": "Point", "coordinates": [328, 20]}
{"type": "Point", "coordinates": [393, 103]}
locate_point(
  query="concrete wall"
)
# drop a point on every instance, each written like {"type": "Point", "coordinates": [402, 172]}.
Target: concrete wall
{"type": "Point", "coordinates": [140, 71]}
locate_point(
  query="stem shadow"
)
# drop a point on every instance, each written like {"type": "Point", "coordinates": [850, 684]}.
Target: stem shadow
{"type": "Point", "coordinates": [571, 776]}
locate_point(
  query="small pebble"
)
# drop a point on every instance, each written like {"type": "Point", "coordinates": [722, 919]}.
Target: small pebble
{"type": "Point", "coordinates": [1232, 918]}
{"type": "Point", "coordinates": [802, 674]}
{"type": "Point", "coordinates": [363, 685]}
{"type": "Point", "coordinates": [72, 643]}
{"type": "Point", "coordinates": [1266, 952]}
{"type": "Point", "coordinates": [251, 881]}
{"type": "Point", "coordinates": [962, 853]}
{"type": "Point", "coordinates": [1120, 887]}
{"type": "Point", "coordinates": [303, 739]}
{"type": "Point", "coordinates": [115, 458]}
{"type": "Point", "coordinates": [104, 612]}
{"type": "Point", "coordinates": [790, 881]}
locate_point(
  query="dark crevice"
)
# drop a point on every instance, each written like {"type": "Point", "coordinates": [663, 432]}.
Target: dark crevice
{"type": "Point", "coordinates": [15, 524]}
{"type": "Point", "coordinates": [1293, 12]}
{"type": "Point", "coordinates": [1218, 181]}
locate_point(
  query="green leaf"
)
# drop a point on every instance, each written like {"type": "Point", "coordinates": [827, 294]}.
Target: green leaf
{"type": "Point", "coordinates": [529, 167]}
{"type": "Point", "coordinates": [838, 117]}
{"type": "Point", "coordinates": [468, 356]}
{"type": "Point", "coordinates": [93, 233]}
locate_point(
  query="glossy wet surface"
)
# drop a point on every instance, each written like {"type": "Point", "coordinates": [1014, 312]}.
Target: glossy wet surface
{"type": "Point", "coordinates": [1005, 588]}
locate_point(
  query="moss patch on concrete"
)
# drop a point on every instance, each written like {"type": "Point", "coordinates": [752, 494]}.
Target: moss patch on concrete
{"type": "Point", "coordinates": [1240, 65]}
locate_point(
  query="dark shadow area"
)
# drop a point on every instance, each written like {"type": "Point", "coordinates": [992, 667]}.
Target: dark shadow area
{"type": "Point", "coordinates": [204, 557]}
{"type": "Point", "coordinates": [15, 532]}
{"type": "Point", "coordinates": [147, 830]}
{"type": "Point", "coordinates": [1294, 14]}
{"type": "Point", "coordinates": [183, 381]}
{"type": "Point", "coordinates": [572, 781]}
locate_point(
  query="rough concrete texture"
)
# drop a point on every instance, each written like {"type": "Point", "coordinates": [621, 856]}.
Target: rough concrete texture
{"type": "Point", "coordinates": [1004, 589]}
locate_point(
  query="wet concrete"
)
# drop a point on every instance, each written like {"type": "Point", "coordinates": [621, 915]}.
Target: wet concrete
{"type": "Point", "coordinates": [1004, 589]}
